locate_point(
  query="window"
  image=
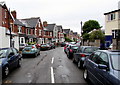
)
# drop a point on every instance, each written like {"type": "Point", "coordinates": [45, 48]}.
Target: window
{"type": "Point", "coordinates": [15, 51]}
{"type": "Point", "coordinates": [5, 14]}
{"type": "Point", "coordinates": [94, 56]}
{"type": "Point", "coordinates": [22, 40]}
{"type": "Point", "coordinates": [111, 17]}
{"type": "Point", "coordinates": [19, 29]}
{"type": "Point", "coordinates": [103, 59]}
{"type": "Point", "coordinates": [40, 32]}
{"type": "Point", "coordinates": [50, 33]}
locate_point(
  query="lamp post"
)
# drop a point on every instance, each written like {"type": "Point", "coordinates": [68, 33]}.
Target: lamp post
{"type": "Point", "coordinates": [81, 33]}
{"type": "Point", "coordinates": [9, 27]}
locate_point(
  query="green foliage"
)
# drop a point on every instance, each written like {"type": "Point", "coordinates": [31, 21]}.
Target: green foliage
{"type": "Point", "coordinates": [97, 35]}
{"type": "Point", "coordinates": [90, 25]}
{"type": "Point", "coordinates": [86, 36]}
{"type": "Point", "coordinates": [68, 40]}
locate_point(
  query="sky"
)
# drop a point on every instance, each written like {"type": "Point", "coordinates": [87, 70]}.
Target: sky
{"type": "Point", "coordinates": [68, 13]}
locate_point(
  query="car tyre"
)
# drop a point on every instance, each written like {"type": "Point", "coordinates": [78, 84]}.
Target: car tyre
{"type": "Point", "coordinates": [35, 54]}
{"type": "Point", "coordinates": [19, 63]}
{"type": "Point", "coordinates": [79, 64]}
{"type": "Point", "coordinates": [6, 71]}
{"type": "Point", "coordinates": [73, 60]}
{"type": "Point", "coordinates": [85, 74]}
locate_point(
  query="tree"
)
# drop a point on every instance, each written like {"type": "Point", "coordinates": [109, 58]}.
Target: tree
{"type": "Point", "coordinates": [98, 34]}
{"type": "Point", "coordinates": [68, 40]}
{"type": "Point", "coordinates": [90, 25]}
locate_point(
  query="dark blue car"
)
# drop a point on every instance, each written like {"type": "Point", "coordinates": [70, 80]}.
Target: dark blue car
{"type": "Point", "coordinates": [9, 58]}
{"type": "Point", "coordinates": [103, 68]}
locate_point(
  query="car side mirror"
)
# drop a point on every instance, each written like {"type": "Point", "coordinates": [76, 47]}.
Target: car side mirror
{"type": "Point", "coordinates": [101, 66]}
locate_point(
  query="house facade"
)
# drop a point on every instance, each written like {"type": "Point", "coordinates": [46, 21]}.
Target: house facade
{"type": "Point", "coordinates": [112, 26]}
{"type": "Point", "coordinates": [60, 34]}
{"type": "Point", "coordinates": [9, 38]}
{"type": "Point", "coordinates": [50, 32]}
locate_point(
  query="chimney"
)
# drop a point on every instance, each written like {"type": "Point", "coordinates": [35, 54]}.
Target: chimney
{"type": "Point", "coordinates": [45, 24]}
{"type": "Point", "coordinates": [14, 14]}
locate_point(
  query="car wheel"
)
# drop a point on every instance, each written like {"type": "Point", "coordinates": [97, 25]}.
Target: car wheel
{"type": "Point", "coordinates": [73, 60]}
{"type": "Point", "coordinates": [19, 63]}
{"type": "Point", "coordinates": [79, 64]}
{"type": "Point", "coordinates": [35, 54]}
{"type": "Point", "coordinates": [6, 71]}
{"type": "Point", "coordinates": [85, 75]}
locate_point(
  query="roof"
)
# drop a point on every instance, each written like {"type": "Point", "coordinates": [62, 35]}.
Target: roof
{"type": "Point", "coordinates": [111, 51]}
{"type": "Point", "coordinates": [18, 22]}
{"type": "Point", "coordinates": [30, 22]}
{"type": "Point", "coordinates": [50, 27]}
{"type": "Point", "coordinates": [112, 12]}
{"type": "Point", "coordinates": [66, 31]}
{"type": "Point", "coordinates": [59, 28]}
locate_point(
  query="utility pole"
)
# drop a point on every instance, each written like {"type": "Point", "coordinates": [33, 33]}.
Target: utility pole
{"type": "Point", "coordinates": [9, 27]}
{"type": "Point", "coordinates": [81, 33]}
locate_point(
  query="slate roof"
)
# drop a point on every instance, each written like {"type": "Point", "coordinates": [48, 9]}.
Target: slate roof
{"type": "Point", "coordinates": [75, 33]}
{"type": "Point", "coordinates": [30, 22]}
{"type": "Point", "coordinates": [59, 28]}
{"type": "Point", "coordinates": [50, 27]}
{"type": "Point", "coordinates": [18, 22]}
{"type": "Point", "coordinates": [66, 31]}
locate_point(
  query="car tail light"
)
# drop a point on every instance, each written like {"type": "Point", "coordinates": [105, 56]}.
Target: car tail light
{"type": "Point", "coordinates": [33, 47]}
{"type": "Point", "coordinates": [82, 55]}
{"type": "Point", "coordinates": [71, 50]}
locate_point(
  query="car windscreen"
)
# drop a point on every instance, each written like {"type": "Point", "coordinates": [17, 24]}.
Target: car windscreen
{"type": "Point", "coordinates": [74, 47]}
{"type": "Point", "coordinates": [90, 49]}
{"type": "Point", "coordinates": [115, 61]}
{"type": "Point", "coordinates": [3, 53]}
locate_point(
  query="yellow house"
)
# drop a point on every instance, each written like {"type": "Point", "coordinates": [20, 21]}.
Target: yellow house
{"type": "Point", "coordinates": [112, 25]}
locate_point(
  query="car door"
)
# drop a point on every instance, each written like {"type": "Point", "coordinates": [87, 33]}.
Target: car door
{"type": "Point", "coordinates": [103, 74]}
{"type": "Point", "coordinates": [11, 58]}
{"type": "Point", "coordinates": [77, 54]}
{"type": "Point", "coordinates": [16, 56]}
{"type": "Point", "coordinates": [91, 66]}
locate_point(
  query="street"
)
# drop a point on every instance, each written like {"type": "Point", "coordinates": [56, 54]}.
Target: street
{"type": "Point", "coordinates": [51, 66]}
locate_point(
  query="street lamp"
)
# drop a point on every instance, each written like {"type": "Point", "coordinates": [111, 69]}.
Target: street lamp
{"type": "Point", "coordinates": [81, 33]}
{"type": "Point", "coordinates": [9, 27]}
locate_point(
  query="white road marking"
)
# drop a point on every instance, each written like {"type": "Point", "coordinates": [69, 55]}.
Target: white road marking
{"type": "Point", "coordinates": [52, 76]}
{"type": "Point", "coordinates": [52, 60]}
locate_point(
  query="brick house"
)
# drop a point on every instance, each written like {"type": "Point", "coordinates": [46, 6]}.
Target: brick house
{"type": "Point", "coordinates": [67, 32]}
{"type": "Point", "coordinates": [50, 32]}
{"type": "Point", "coordinates": [60, 34]}
{"type": "Point", "coordinates": [9, 37]}
{"type": "Point", "coordinates": [34, 29]}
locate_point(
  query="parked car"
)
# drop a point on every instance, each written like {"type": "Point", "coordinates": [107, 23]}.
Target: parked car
{"type": "Point", "coordinates": [9, 59]}
{"type": "Point", "coordinates": [30, 50]}
{"type": "Point", "coordinates": [82, 53]}
{"type": "Point", "coordinates": [71, 49]}
{"type": "Point", "coordinates": [103, 68]}
{"type": "Point", "coordinates": [21, 46]}
{"type": "Point", "coordinates": [45, 47]}
{"type": "Point", "coordinates": [52, 45]}
{"type": "Point", "coordinates": [63, 44]}
{"type": "Point", "coordinates": [65, 48]}
{"type": "Point", "coordinates": [72, 43]}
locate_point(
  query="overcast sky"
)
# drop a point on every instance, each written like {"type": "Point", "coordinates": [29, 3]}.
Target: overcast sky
{"type": "Point", "coordinates": [68, 13]}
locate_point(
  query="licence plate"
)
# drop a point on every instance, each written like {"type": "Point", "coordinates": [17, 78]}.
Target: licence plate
{"type": "Point", "coordinates": [27, 51]}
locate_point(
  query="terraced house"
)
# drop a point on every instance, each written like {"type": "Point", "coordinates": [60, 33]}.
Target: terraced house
{"type": "Point", "coordinates": [7, 31]}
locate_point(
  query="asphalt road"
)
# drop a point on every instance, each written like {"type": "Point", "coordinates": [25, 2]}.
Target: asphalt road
{"type": "Point", "coordinates": [51, 66]}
